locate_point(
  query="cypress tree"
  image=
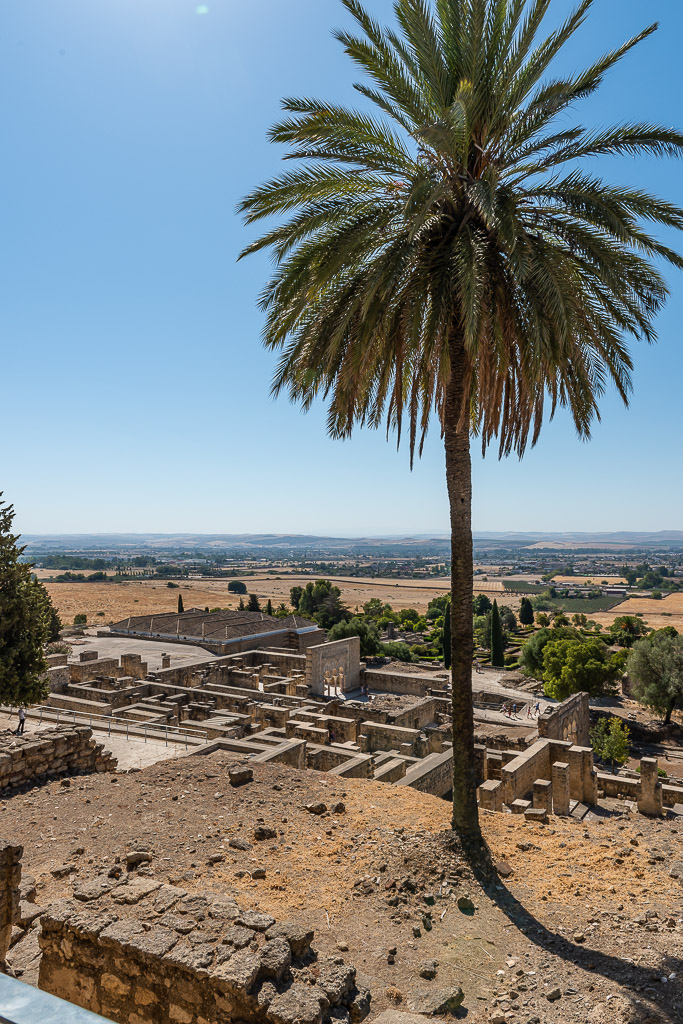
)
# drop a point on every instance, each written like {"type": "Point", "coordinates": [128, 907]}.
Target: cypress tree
{"type": "Point", "coordinates": [447, 636]}
{"type": "Point", "coordinates": [253, 605]}
{"type": "Point", "coordinates": [24, 622]}
{"type": "Point", "coordinates": [181, 607]}
{"type": "Point", "coordinates": [526, 612]}
{"type": "Point", "coordinates": [497, 645]}
{"type": "Point", "coordinates": [269, 607]}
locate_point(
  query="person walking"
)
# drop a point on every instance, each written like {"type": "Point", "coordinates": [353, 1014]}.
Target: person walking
{"type": "Point", "coordinates": [19, 731]}
{"type": "Point", "coordinates": [537, 709]}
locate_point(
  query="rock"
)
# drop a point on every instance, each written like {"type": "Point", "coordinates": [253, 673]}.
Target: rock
{"type": "Point", "coordinates": [134, 891]}
{"type": "Point", "coordinates": [504, 869]}
{"type": "Point", "coordinates": [258, 873]}
{"type": "Point", "coordinates": [339, 808]}
{"type": "Point", "coordinates": [428, 969]}
{"type": "Point", "coordinates": [427, 923]}
{"type": "Point", "coordinates": [553, 995]}
{"type": "Point", "coordinates": [16, 934]}
{"type": "Point", "coordinates": [579, 937]}
{"type": "Point", "coordinates": [258, 922]}
{"type": "Point", "coordinates": [343, 947]}
{"type": "Point", "coordinates": [93, 888]}
{"type": "Point", "coordinates": [417, 932]}
{"type": "Point", "coordinates": [266, 994]}
{"type": "Point", "coordinates": [315, 808]}
{"type": "Point", "coordinates": [359, 1007]}
{"type": "Point", "coordinates": [216, 858]}
{"type": "Point", "coordinates": [135, 857]}
{"type": "Point", "coordinates": [432, 1001]}
{"type": "Point", "coordinates": [65, 783]}
{"type": "Point", "coordinates": [465, 905]}
{"type": "Point", "coordinates": [239, 844]}
{"type": "Point", "coordinates": [238, 775]}
{"type": "Point", "coordinates": [676, 869]}
{"type": "Point", "coordinates": [62, 870]}
{"type": "Point", "coordinates": [27, 890]}
{"type": "Point", "coordinates": [298, 937]}
{"type": "Point", "coordinates": [498, 1018]}
{"type": "Point", "coordinates": [335, 978]}
{"type": "Point", "coordinates": [262, 832]}
{"type": "Point", "coordinates": [276, 957]}
{"type": "Point", "coordinates": [300, 1004]}
{"type": "Point", "coordinates": [238, 936]}
{"type": "Point", "coordinates": [240, 971]}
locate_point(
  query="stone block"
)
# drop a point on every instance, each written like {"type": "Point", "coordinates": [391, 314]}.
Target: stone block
{"type": "Point", "coordinates": [560, 789]}
{"type": "Point", "coordinates": [542, 794]}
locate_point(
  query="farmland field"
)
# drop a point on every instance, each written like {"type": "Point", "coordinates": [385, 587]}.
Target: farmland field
{"type": "Point", "coordinates": [118, 600]}
{"type": "Point", "coordinates": [657, 614]}
{"type": "Point", "coordinates": [587, 581]}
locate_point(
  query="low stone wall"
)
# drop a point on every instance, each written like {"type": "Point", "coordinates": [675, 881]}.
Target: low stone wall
{"type": "Point", "coordinates": [432, 775]}
{"type": "Point", "coordinates": [140, 951]}
{"type": "Point", "coordinates": [10, 880]}
{"type": "Point", "coordinates": [48, 753]}
{"type": "Point", "coordinates": [386, 681]}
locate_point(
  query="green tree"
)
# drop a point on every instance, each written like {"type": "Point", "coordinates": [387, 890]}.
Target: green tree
{"type": "Point", "coordinates": [370, 643]}
{"type": "Point", "coordinates": [626, 629]}
{"type": "Point", "coordinates": [526, 612]}
{"type": "Point", "coordinates": [497, 642]}
{"type": "Point", "coordinates": [532, 651]}
{"type": "Point", "coordinates": [655, 669]}
{"type": "Point", "coordinates": [24, 622]}
{"type": "Point", "coordinates": [456, 253]}
{"type": "Point", "coordinates": [269, 607]}
{"type": "Point", "coordinates": [375, 609]}
{"type": "Point", "coordinates": [437, 606]}
{"type": "Point", "coordinates": [321, 601]}
{"type": "Point", "coordinates": [399, 650]}
{"type": "Point", "coordinates": [481, 604]}
{"type": "Point", "coordinates": [295, 596]}
{"type": "Point", "coordinates": [253, 604]}
{"type": "Point", "coordinates": [241, 604]}
{"type": "Point", "coordinates": [447, 636]}
{"type": "Point", "coordinates": [609, 739]}
{"type": "Point", "coordinates": [570, 666]}
{"type": "Point", "coordinates": [181, 606]}
{"type": "Point", "coordinates": [237, 587]}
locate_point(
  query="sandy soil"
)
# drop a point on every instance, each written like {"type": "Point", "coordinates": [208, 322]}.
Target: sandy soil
{"type": "Point", "coordinates": [571, 916]}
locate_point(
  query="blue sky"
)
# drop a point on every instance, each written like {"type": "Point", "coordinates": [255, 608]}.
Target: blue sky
{"type": "Point", "coordinates": [135, 394]}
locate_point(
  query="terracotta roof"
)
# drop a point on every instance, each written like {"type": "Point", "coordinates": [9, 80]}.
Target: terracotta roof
{"type": "Point", "coordinates": [224, 625]}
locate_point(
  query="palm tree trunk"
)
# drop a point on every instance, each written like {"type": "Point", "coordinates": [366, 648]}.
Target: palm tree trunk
{"type": "Point", "coordinates": [459, 481]}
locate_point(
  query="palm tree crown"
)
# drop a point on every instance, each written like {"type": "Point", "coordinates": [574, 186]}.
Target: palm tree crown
{"type": "Point", "coordinates": [461, 206]}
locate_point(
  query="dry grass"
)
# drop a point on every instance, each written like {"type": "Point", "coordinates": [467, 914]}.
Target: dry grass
{"type": "Point", "coordinates": [587, 581]}
{"type": "Point", "coordinates": [118, 600]}
{"type": "Point", "coordinates": [657, 614]}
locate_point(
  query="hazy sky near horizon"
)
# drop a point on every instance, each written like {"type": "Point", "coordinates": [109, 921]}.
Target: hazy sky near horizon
{"type": "Point", "coordinates": [135, 392]}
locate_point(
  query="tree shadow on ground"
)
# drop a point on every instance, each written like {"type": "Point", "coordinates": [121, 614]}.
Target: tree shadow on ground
{"type": "Point", "coordinates": [640, 983]}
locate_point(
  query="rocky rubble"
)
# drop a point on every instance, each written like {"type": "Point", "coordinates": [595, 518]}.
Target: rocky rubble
{"type": "Point", "coordinates": [140, 946]}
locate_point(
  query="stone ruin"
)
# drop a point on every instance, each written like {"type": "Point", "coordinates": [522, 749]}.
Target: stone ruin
{"type": "Point", "coordinates": [50, 753]}
{"type": "Point", "coordinates": [141, 951]}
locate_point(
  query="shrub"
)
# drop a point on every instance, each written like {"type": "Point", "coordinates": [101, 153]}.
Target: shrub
{"type": "Point", "coordinates": [80, 619]}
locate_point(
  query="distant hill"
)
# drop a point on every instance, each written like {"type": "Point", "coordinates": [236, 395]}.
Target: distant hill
{"type": "Point", "coordinates": [126, 543]}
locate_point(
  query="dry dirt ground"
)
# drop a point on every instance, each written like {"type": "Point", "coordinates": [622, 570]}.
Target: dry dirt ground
{"type": "Point", "coordinates": [589, 916]}
{"type": "Point", "coordinates": [118, 600]}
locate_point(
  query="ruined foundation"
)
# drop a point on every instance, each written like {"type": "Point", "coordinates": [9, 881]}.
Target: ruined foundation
{"type": "Point", "coordinates": [142, 952]}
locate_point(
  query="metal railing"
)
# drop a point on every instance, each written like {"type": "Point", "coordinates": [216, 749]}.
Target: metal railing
{"type": "Point", "coordinates": [122, 726]}
{"type": "Point", "coordinates": [23, 1004]}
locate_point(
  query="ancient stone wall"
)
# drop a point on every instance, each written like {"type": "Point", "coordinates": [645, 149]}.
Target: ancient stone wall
{"type": "Point", "coordinates": [334, 664]}
{"type": "Point", "coordinates": [386, 681]}
{"type": "Point", "coordinates": [139, 951]}
{"type": "Point", "coordinates": [10, 880]}
{"type": "Point", "coordinates": [568, 721]}
{"type": "Point", "coordinates": [48, 753]}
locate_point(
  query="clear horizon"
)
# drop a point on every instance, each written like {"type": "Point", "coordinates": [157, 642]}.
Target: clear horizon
{"type": "Point", "coordinates": [137, 391]}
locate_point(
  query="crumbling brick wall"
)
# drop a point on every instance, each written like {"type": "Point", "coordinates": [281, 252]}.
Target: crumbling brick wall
{"type": "Point", "coordinates": [49, 753]}
{"type": "Point", "coordinates": [150, 953]}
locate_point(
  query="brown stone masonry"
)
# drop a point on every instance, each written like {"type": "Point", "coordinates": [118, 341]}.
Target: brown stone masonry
{"type": "Point", "coordinates": [141, 952]}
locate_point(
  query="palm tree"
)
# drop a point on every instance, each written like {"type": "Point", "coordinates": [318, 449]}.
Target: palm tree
{"type": "Point", "coordinates": [444, 250]}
